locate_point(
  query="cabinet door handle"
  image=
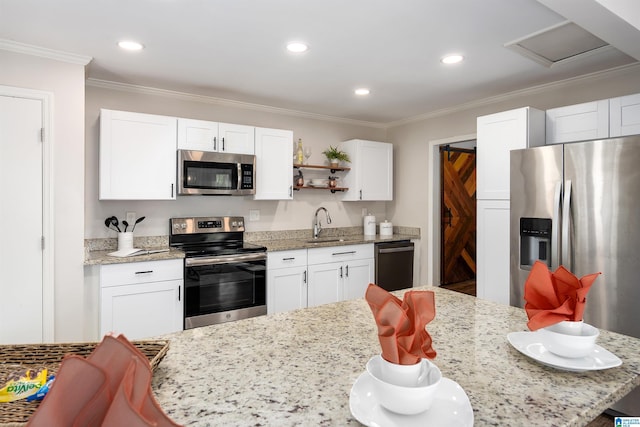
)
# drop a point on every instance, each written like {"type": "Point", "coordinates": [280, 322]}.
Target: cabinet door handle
{"type": "Point", "coordinates": [360, 194]}
{"type": "Point", "coordinates": [343, 253]}
{"type": "Point", "coordinates": [144, 272]}
{"type": "Point", "coordinates": [215, 143]}
{"type": "Point", "coordinates": [304, 278]}
{"type": "Point", "coordinates": [291, 191]}
{"type": "Point", "coordinates": [347, 271]}
{"type": "Point", "coordinates": [289, 259]}
{"type": "Point", "coordinates": [171, 190]}
{"type": "Point", "coordinates": [222, 143]}
{"type": "Point", "coordinates": [341, 272]}
{"type": "Point", "coordinates": [179, 292]}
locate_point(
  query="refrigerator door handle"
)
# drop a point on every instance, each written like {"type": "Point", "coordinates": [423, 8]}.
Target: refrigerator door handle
{"type": "Point", "coordinates": [566, 227]}
{"type": "Point", "coordinates": [555, 226]}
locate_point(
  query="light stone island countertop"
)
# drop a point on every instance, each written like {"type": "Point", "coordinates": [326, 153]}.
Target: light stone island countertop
{"type": "Point", "coordinates": [297, 368]}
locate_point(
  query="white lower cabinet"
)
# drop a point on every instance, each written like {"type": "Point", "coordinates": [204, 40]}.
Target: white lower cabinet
{"type": "Point", "coordinates": [141, 299]}
{"type": "Point", "coordinates": [286, 280]}
{"type": "Point", "coordinates": [307, 278]}
{"type": "Point", "coordinates": [339, 273]}
{"type": "Point", "coordinates": [492, 275]}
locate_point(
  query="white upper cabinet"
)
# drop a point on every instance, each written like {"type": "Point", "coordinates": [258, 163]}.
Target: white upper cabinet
{"type": "Point", "coordinates": [204, 135]}
{"type": "Point", "coordinates": [197, 135]}
{"type": "Point", "coordinates": [497, 135]}
{"type": "Point", "coordinates": [238, 139]}
{"type": "Point", "coordinates": [371, 174]}
{"type": "Point", "coordinates": [624, 115]}
{"type": "Point", "coordinates": [580, 122]}
{"type": "Point", "coordinates": [274, 164]}
{"type": "Point", "coordinates": [137, 156]}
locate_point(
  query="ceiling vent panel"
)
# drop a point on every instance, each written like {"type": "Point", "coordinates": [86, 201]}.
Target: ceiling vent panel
{"type": "Point", "coordinates": [558, 44]}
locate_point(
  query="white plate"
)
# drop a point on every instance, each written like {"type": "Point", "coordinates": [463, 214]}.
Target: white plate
{"type": "Point", "coordinates": [530, 344]}
{"type": "Point", "coordinates": [451, 407]}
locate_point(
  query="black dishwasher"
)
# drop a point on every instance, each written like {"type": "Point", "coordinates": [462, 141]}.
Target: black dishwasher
{"type": "Point", "coordinates": [394, 265]}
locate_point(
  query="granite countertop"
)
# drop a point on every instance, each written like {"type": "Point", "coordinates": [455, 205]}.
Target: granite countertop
{"type": "Point", "coordinates": [97, 250]}
{"type": "Point", "coordinates": [297, 368]}
{"type": "Point", "coordinates": [102, 257]}
{"type": "Point", "coordinates": [310, 243]}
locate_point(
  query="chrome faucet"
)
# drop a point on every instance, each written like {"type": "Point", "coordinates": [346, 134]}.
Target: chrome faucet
{"type": "Point", "coordinates": [317, 225]}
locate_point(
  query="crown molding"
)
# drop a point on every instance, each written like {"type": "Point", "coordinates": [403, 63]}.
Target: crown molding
{"type": "Point", "coordinates": [586, 78]}
{"type": "Point", "coordinates": [43, 52]}
{"type": "Point", "coordinates": [184, 96]}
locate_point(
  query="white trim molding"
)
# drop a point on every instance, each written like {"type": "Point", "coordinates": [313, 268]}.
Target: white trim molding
{"type": "Point", "coordinates": [43, 52]}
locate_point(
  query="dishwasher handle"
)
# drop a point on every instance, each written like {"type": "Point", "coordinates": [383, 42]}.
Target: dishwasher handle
{"type": "Point", "coordinates": [399, 249]}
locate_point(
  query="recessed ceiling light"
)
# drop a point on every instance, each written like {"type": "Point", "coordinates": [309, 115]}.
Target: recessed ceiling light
{"type": "Point", "coordinates": [297, 47]}
{"type": "Point", "coordinates": [362, 91]}
{"type": "Point", "coordinates": [130, 45]}
{"type": "Point", "coordinates": [452, 59]}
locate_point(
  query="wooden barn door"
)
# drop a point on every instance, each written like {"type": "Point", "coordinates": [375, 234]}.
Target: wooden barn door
{"type": "Point", "coordinates": [458, 215]}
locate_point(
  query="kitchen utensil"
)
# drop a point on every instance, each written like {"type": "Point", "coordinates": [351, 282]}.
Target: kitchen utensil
{"type": "Point", "coordinates": [126, 224]}
{"type": "Point", "coordinates": [115, 223]}
{"type": "Point", "coordinates": [107, 223]}
{"type": "Point", "coordinates": [138, 221]}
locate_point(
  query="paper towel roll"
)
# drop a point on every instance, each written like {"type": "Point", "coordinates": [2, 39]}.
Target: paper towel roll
{"type": "Point", "coordinates": [369, 225]}
{"type": "Point", "coordinates": [386, 229]}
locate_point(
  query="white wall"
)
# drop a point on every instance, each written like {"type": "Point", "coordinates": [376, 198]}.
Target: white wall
{"type": "Point", "coordinates": [274, 215]}
{"type": "Point", "coordinates": [411, 142]}
{"type": "Point", "coordinates": [66, 82]}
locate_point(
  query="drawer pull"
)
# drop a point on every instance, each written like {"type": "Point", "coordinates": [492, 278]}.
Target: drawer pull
{"type": "Point", "coordinates": [343, 253]}
{"type": "Point", "coordinates": [144, 272]}
{"type": "Point", "coordinates": [289, 259]}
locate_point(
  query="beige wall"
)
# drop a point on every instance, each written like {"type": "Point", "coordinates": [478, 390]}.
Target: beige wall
{"type": "Point", "coordinates": [412, 143]}
{"type": "Point", "coordinates": [66, 82]}
{"type": "Point", "coordinates": [274, 215]}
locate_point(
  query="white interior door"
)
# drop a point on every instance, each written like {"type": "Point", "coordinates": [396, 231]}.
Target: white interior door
{"type": "Point", "coordinates": [21, 216]}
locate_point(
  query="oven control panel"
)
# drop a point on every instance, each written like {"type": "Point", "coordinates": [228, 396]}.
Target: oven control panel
{"type": "Point", "coordinates": [201, 225]}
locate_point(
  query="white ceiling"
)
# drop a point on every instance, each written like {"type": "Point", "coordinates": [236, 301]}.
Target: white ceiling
{"type": "Point", "coordinates": [235, 49]}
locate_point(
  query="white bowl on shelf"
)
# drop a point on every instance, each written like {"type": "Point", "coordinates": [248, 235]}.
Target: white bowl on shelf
{"type": "Point", "coordinates": [315, 182]}
{"type": "Point", "coordinates": [569, 339]}
{"type": "Point", "coordinates": [405, 399]}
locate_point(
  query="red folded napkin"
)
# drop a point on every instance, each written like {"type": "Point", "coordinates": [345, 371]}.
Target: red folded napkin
{"type": "Point", "coordinates": [554, 297]}
{"type": "Point", "coordinates": [401, 324]}
{"type": "Point", "coordinates": [111, 387]}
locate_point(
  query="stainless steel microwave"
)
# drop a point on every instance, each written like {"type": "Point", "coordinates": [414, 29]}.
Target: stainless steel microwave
{"type": "Point", "coordinates": [210, 173]}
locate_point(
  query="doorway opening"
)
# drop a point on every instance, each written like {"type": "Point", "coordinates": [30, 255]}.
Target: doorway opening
{"type": "Point", "coordinates": [458, 216]}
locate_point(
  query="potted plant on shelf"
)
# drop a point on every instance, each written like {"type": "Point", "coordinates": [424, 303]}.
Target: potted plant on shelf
{"type": "Point", "coordinates": [335, 156]}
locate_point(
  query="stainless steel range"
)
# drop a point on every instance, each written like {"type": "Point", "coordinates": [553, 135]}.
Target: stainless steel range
{"type": "Point", "coordinates": [224, 277]}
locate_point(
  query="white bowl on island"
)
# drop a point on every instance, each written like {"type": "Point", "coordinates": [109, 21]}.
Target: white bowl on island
{"type": "Point", "coordinates": [405, 399]}
{"type": "Point", "coordinates": [569, 339]}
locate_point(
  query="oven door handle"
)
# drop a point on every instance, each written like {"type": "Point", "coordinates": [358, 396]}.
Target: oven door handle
{"type": "Point", "coordinates": [223, 259]}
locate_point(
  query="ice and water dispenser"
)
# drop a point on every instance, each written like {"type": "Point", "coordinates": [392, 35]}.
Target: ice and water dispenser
{"type": "Point", "coordinates": [535, 241]}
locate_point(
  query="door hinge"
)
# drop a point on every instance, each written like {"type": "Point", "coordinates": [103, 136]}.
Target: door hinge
{"type": "Point", "coordinates": [41, 134]}
{"type": "Point", "coordinates": [42, 242]}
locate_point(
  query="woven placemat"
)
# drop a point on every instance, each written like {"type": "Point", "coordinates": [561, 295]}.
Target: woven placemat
{"type": "Point", "coordinates": [20, 357]}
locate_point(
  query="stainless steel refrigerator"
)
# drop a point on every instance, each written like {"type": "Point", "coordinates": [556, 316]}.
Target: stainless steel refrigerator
{"type": "Point", "coordinates": [578, 205]}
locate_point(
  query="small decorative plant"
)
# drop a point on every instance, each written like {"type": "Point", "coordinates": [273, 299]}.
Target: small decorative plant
{"type": "Point", "coordinates": [334, 155]}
